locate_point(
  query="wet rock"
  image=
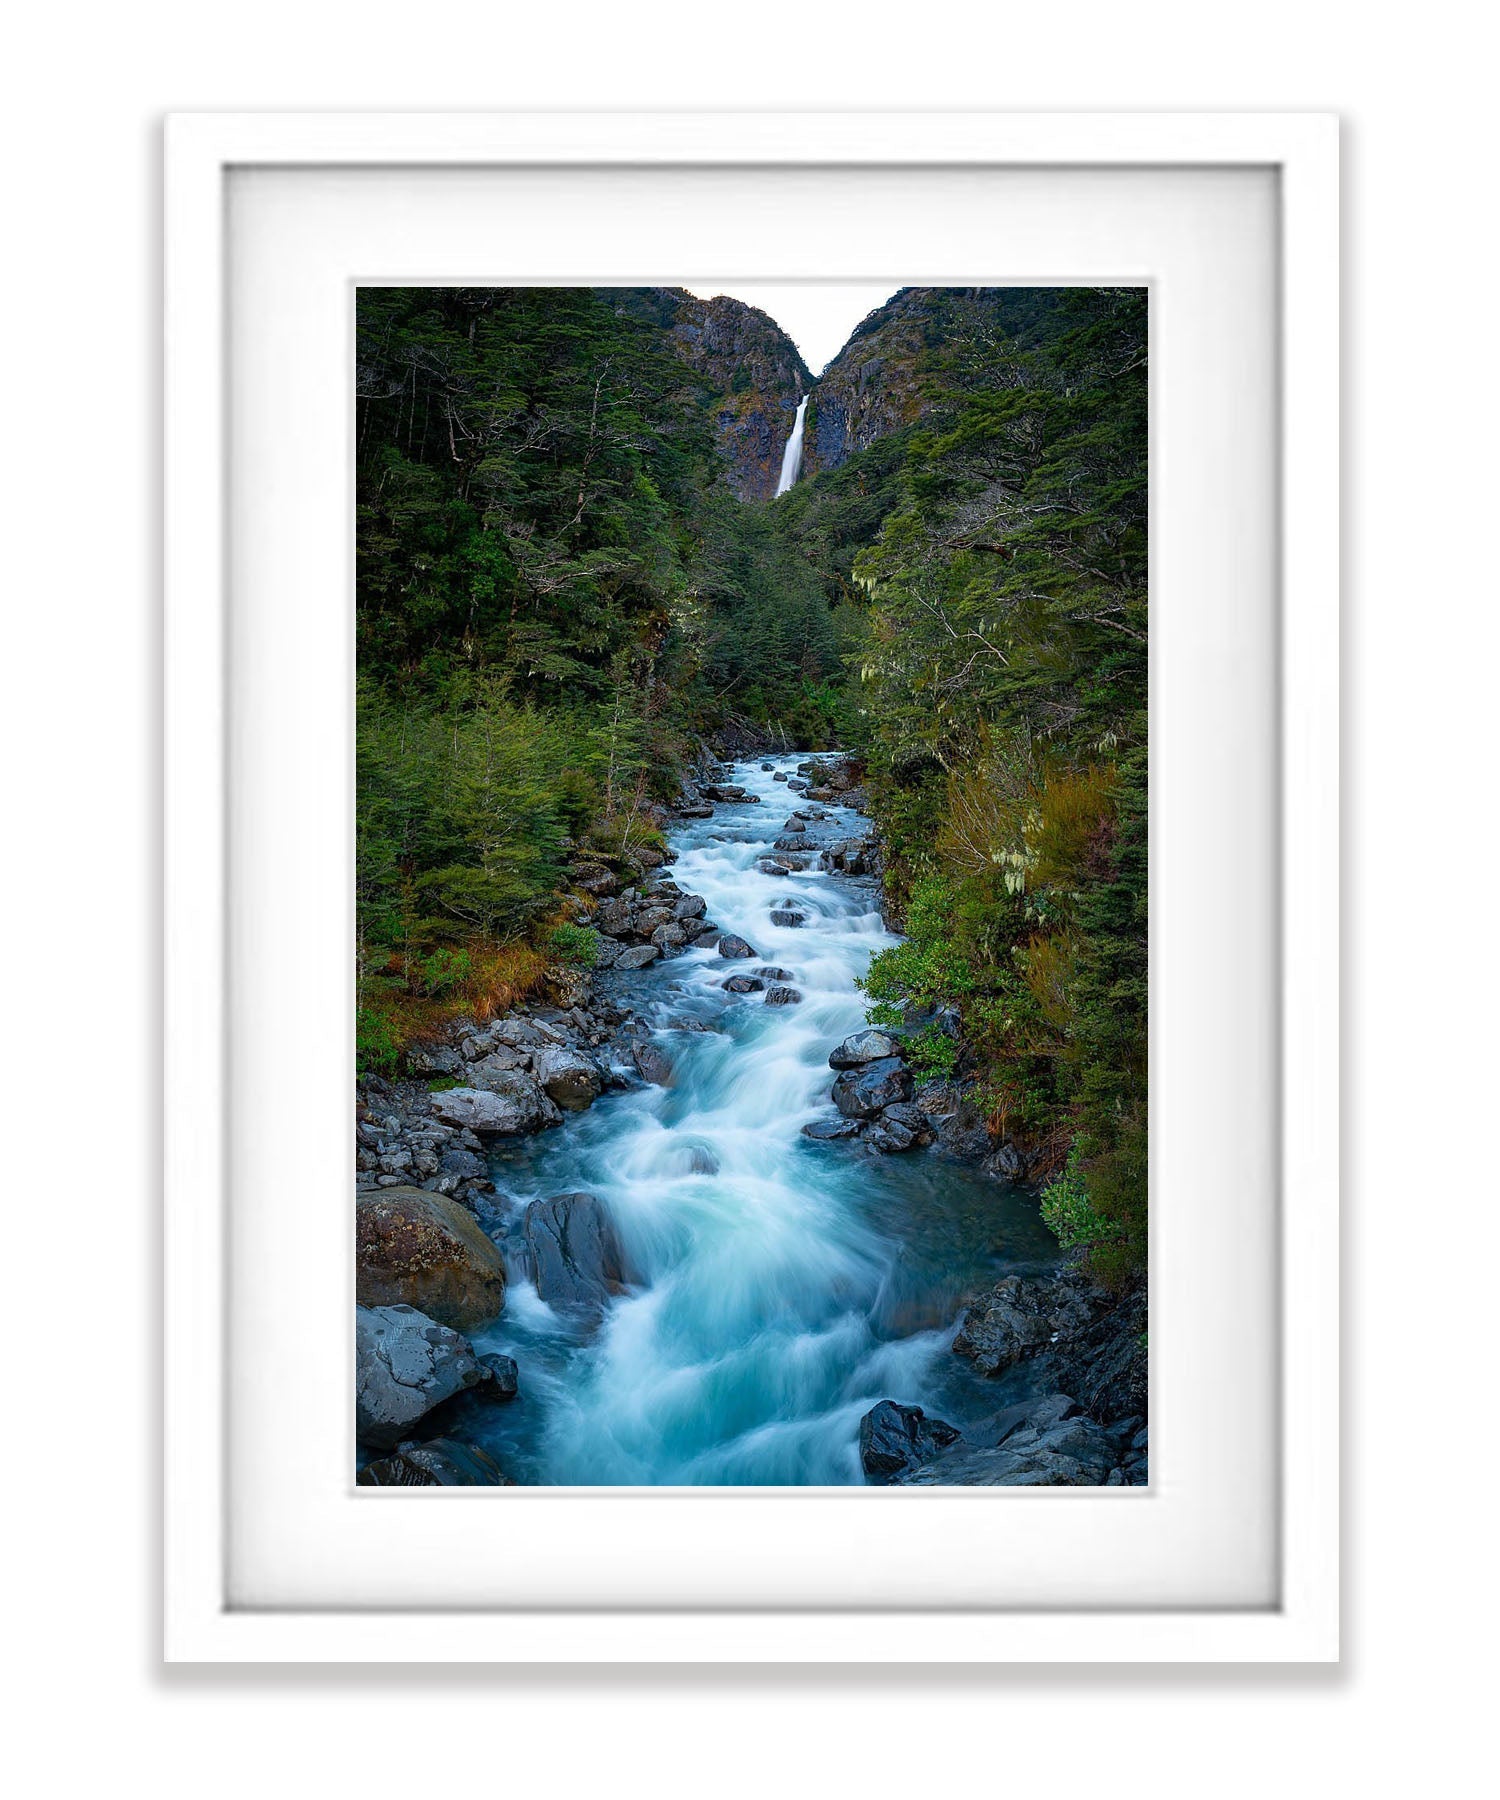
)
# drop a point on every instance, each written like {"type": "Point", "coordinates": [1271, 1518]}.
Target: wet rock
{"type": "Point", "coordinates": [640, 957]}
{"type": "Point", "coordinates": [732, 946]}
{"type": "Point", "coordinates": [779, 995]}
{"type": "Point", "coordinates": [795, 824]}
{"type": "Point", "coordinates": [1017, 1318]}
{"type": "Point", "coordinates": [695, 810]}
{"type": "Point", "coordinates": [826, 1130]}
{"type": "Point", "coordinates": [961, 1127]}
{"type": "Point", "coordinates": [518, 1104]}
{"type": "Point", "coordinates": [725, 791]}
{"type": "Point", "coordinates": [787, 918]}
{"type": "Point", "coordinates": [421, 1249]}
{"type": "Point", "coordinates": [788, 843]}
{"type": "Point", "coordinates": [863, 1047]}
{"type": "Point", "coordinates": [669, 939]}
{"type": "Point", "coordinates": [743, 984]}
{"type": "Point", "coordinates": [1007, 1163]}
{"type": "Point", "coordinates": [769, 865]}
{"type": "Point", "coordinates": [1052, 1445]}
{"type": "Point", "coordinates": [690, 906]}
{"type": "Point", "coordinates": [909, 1117]}
{"type": "Point", "coordinates": [772, 974]}
{"type": "Point", "coordinates": [404, 1365]}
{"type": "Point", "coordinates": [442, 1462]}
{"type": "Point", "coordinates": [465, 1166]}
{"type": "Point", "coordinates": [895, 1439]}
{"type": "Point", "coordinates": [575, 1253]}
{"type": "Point", "coordinates": [652, 1062]}
{"type": "Point", "coordinates": [778, 776]}
{"type": "Point", "coordinates": [569, 1077]}
{"type": "Point", "coordinates": [861, 1093]}
{"type": "Point", "coordinates": [890, 1137]}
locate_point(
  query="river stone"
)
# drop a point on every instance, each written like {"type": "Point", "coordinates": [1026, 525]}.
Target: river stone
{"type": "Point", "coordinates": [824, 1130]}
{"type": "Point", "coordinates": [778, 776]}
{"type": "Point", "coordinates": [1052, 1445]}
{"type": "Point", "coordinates": [794, 824]}
{"type": "Point", "coordinates": [861, 1093]}
{"type": "Point", "coordinates": [653, 1062]}
{"type": "Point", "coordinates": [782, 996]}
{"type": "Point", "coordinates": [769, 974]}
{"type": "Point", "coordinates": [732, 946]}
{"type": "Point", "coordinates": [894, 1439]}
{"type": "Point", "coordinates": [416, 1248]}
{"type": "Point", "coordinates": [441, 1462]}
{"type": "Point", "coordinates": [669, 939]}
{"type": "Point", "coordinates": [690, 906]}
{"type": "Point", "coordinates": [910, 1118]}
{"type": "Point", "coordinates": [785, 917]}
{"type": "Point", "coordinates": [641, 957]}
{"type": "Point", "coordinates": [504, 1378]}
{"type": "Point", "coordinates": [769, 865]}
{"type": "Point", "coordinates": [517, 1106]}
{"type": "Point", "coordinates": [743, 984]}
{"type": "Point", "coordinates": [788, 843]}
{"type": "Point", "coordinates": [863, 1047]}
{"type": "Point", "coordinates": [1016, 1318]}
{"type": "Point", "coordinates": [570, 1077]}
{"type": "Point", "coordinates": [593, 878]}
{"type": "Point", "coordinates": [612, 917]}
{"type": "Point", "coordinates": [404, 1365]}
{"type": "Point", "coordinates": [576, 1258]}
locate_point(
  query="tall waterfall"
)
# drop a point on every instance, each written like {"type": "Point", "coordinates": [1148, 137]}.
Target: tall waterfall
{"type": "Point", "coordinates": [791, 457]}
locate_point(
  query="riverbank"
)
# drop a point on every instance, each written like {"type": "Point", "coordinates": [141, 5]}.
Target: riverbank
{"type": "Point", "coordinates": [713, 1270]}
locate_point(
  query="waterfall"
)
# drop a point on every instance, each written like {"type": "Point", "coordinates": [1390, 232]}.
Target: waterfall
{"type": "Point", "coordinates": [791, 457]}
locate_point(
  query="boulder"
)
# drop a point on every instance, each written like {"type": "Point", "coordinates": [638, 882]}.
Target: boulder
{"type": "Point", "coordinates": [569, 1077]}
{"type": "Point", "coordinates": [780, 995]}
{"type": "Point", "coordinates": [690, 906]}
{"type": "Point", "coordinates": [743, 984]}
{"type": "Point", "coordinates": [1016, 1318]}
{"type": "Point", "coordinates": [779, 776]}
{"type": "Point", "coordinates": [732, 946]}
{"type": "Point", "coordinates": [575, 1253]}
{"type": "Point", "coordinates": [404, 1365]}
{"type": "Point", "coordinates": [861, 1093]}
{"type": "Point", "coordinates": [504, 1378]}
{"type": "Point", "coordinates": [641, 957]}
{"type": "Point", "coordinates": [442, 1462]}
{"type": "Point", "coordinates": [612, 917]}
{"type": "Point", "coordinates": [794, 824]}
{"type": "Point", "coordinates": [786, 917]}
{"type": "Point", "coordinates": [909, 1117]}
{"type": "Point", "coordinates": [824, 1130]}
{"type": "Point", "coordinates": [669, 939]}
{"type": "Point", "coordinates": [420, 1249]}
{"type": "Point", "coordinates": [653, 1062]}
{"type": "Point", "coordinates": [895, 1439]}
{"type": "Point", "coordinates": [498, 1102]}
{"type": "Point", "coordinates": [863, 1047]}
{"type": "Point", "coordinates": [769, 865]}
{"type": "Point", "coordinates": [1006, 1164]}
{"type": "Point", "coordinates": [695, 810]}
{"type": "Point", "coordinates": [772, 974]}
{"type": "Point", "coordinates": [593, 878]}
{"type": "Point", "coordinates": [788, 843]}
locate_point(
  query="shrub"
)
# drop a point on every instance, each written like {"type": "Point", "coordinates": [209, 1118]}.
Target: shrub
{"type": "Point", "coordinates": [1068, 1212]}
{"type": "Point", "coordinates": [577, 945]}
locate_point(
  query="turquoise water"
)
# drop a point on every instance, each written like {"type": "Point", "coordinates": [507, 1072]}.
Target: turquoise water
{"type": "Point", "coordinates": [785, 1286]}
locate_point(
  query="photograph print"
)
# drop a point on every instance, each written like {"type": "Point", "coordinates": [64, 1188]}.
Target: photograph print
{"type": "Point", "coordinates": [751, 886]}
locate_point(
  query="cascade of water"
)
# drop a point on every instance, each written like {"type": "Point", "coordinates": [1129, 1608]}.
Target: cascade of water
{"type": "Point", "coordinates": [791, 457]}
{"type": "Point", "coordinates": [786, 1286]}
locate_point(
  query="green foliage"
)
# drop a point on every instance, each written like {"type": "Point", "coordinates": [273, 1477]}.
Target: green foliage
{"type": "Point", "coordinates": [577, 945]}
{"type": "Point", "coordinates": [375, 1045]}
{"type": "Point", "coordinates": [1069, 1213]}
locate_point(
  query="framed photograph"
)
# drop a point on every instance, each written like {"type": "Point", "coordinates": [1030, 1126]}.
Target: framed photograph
{"type": "Point", "coordinates": [752, 888]}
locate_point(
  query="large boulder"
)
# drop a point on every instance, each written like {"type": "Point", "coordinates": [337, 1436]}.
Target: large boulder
{"type": "Point", "coordinates": [575, 1253]}
{"type": "Point", "coordinates": [781, 995]}
{"type": "Point", "coordinates": [441, 1462]}
{"type": "Point", "coordinates": [1050, 1443]}
{"type": "Point", "coordinates": [570, 1077]}
{"type": "Point", "coordinates": [894, 1439]}
{"type": "Point", "coordinates": [653, 1062]}
{"type": "Point", "coordinates": [827, 1130]}
{"type": "Point", "coordinates": [404, 1365]}
{"type": "Point", "coordinates": [732, 946]}
{"type": "Point", "coordinates": [861, 1093]}
{"type": "Point", "coordinates": [421, 1249]}
{"type": "Point", "coordinates": [641, 957]}
{"type": "Point", "coordinates": [1016, 1318]}
{"type": "Point", "coordinates": [863, 1047]}
{"type": "Point", "coordinates": [510, 1104]}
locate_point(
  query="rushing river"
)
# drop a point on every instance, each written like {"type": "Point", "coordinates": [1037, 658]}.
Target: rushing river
{"type": "Point", "coordinates": [786, 1285]}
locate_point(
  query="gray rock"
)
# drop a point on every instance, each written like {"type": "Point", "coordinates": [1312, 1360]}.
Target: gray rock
{"type": "Point", "coordinates": [570, 1077]}
{"type": "Point", "coordinates": [690, 906]}
{"type": "Point", "coordinates": [779, 776]}
{"type": "Point", "coordinates": [824, 1130]}
{"type": "Point", "coordinates": [863, 1047]}
{"type": "Point", "coordinates": [1007, 1163]}
{"type": "Point", "coordinates": [863, 1092]}
{"type": "Point", "coordinates": [796, 824]}
{"type": "Point", "coordinates": [404, 1365]}
{"type": "Point", "coordinates": [490, 1113]}
{"type": "Point", "coordinates": [784, 916]}
{"type": "Point", "coordinates": [442, 1462]}
{"type": "Point", "coordinates": [575, 1253]}
{"type": "Point", "coordinates": [434, 1059]}
{"type": "Point", "coordinates": [773, 974]}
{"type": "Point", "coordinates": [1017, 1318]}
{"type": "Point", "coordinates": [788, 843]}
{"type": "Point", "coordinates": [909, 1117]}
{"type": "Point", "coordinates": [669, 939]}
{"type": "Point", "coordinates": [653, 1062]}
{"type": "Point", "coordinates": [732, 946]}
{"type": "Point", "coordinates": [770, 865]}
{"type": "Point", "coordinates": [1054, 1445]}
{"type": "Point", "coordinates": [743, 984]}
{"type": "Point", "coordinates": [504, 1381]}
{"type": "Point", "coordinates": [895, 1439]}
{"type": "Point", "coordinates": [779, 995]}
{"type": "Point", "coordinates": [641, 957]}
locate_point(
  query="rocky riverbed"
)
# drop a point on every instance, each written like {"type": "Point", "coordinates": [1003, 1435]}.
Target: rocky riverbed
{"type": "Point", "coordinates": [661, 1083]}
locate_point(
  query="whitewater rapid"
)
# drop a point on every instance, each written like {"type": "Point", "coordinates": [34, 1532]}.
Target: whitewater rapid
{"type": "Point", "coordinates": [784, 1286]}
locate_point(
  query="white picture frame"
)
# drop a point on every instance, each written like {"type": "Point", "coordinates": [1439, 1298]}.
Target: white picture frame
{"type": "Point", "coordinates": [207, 765]}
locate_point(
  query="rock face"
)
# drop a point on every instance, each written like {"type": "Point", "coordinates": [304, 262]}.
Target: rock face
{"type": "Point", "coordinates": [755, 377]}
{"type": "Point", "coordinates": [575, 1253]}
{"type": "Point", "coordinates": [442, 1462]}
{"type": "Point", "coordinates": [861, 1093]}
{"type": "Point", "coordinates": [404, 1365]}
{"type": "Point", "coordinates": [895, 1439]}
{"type": "Point", "coordinates": [424, 1250]}
{"type": "Point", "coordinates": [520, 1108]}
{"type": "Point", "coordinates": [1018, 1317]}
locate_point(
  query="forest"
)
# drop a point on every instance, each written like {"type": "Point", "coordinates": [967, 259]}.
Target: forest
{"type": "Point", "coordinates": [564, 592]}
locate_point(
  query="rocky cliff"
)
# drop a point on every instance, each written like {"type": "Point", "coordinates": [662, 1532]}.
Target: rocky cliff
{"type": "Point", "coordinates": [756, 376]}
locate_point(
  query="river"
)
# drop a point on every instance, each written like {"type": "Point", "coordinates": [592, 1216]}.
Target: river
{"type": "Point", "coordinates": [785, 1285]}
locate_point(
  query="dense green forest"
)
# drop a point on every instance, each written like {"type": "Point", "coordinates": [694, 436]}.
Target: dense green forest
{"type": "Point", "coordinates": [559, 596]}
